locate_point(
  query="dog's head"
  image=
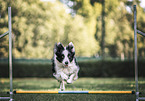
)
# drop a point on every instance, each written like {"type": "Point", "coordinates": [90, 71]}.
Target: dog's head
{"type": "Point", "coordinates": [64, 55]}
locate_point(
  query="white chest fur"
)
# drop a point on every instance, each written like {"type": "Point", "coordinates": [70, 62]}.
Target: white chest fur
{"type": "Point", "coordinates": [69, 70]}
{"type": "Point", "coordinates": [72, 68]}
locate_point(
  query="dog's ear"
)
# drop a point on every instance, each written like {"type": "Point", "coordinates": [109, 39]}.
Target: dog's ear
{"type": "Point", "coordinates": [58, 47]}
{"type": "Point", "coordinates": [70, 47]}
{"type": "Point", "coordinates": [55, 48]}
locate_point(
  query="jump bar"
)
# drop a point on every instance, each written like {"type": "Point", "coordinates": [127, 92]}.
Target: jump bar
{"type": "Point", "coordinates": [74, 92]}
{"type": "Point", "coordinates": [4, 34]}
{"type": "Point", "coordinates": [4, 98]}
{"type": "Point", "coordinates": [140, 32]}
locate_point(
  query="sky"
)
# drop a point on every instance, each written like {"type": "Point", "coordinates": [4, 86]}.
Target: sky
{"type": "Point", "coordinates": [142, 4]}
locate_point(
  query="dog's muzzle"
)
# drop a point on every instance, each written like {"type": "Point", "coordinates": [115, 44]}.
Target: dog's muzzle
{"type": "Point", "coordinates": [66, 64]}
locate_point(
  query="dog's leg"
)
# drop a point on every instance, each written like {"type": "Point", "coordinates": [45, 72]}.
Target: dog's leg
{"type": "Point", "coordinates": [75, 77]}
{"type": "Point", "coordinates": [70, 80]}
{"type": "Point", "coordinates": [60, 86]}
{"type": "Point", "coordinates": [63, 84]}
{"type": "Point", "coordinates": [64, 76]}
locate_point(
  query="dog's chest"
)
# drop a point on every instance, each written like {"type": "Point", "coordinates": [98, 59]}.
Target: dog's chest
{"type": "Point", "coordinates": [69, 70]}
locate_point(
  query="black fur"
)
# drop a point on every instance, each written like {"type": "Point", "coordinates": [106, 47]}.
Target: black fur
{"type": "Point", "coordinates": [53, 66]}
{"type": "Point", "coordinates": [59, 54]}
{"type": "Point", "coordinates": [59, 51]}
{"type": "Point", "coordinates": [76, 62]}
{"type": "Point", "coordinates": [71, 54]}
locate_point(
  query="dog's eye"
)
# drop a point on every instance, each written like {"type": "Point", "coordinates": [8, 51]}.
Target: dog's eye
{"type": "Point", "coordinates": [69, 56]}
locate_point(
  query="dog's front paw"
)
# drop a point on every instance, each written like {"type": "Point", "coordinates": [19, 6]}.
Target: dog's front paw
{"type": "Point", "coordinates": [69, 81]}
{"type": "Point", "coordinates": [75, 78]}
{"type": "Point", "coordinates": [64, 76]}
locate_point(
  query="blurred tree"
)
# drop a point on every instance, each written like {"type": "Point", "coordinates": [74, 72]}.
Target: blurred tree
{"type": "Point", "coordinates": [37, 26]}
{"type": "Point", "coordinates": [103, 30]}
{"type": "Point", "coordinates": [3, 28]}
{"type": "Point", "coordinates": [118, 37]}
{"type": "Point", "coordinates": [89, 11]}
{"type": "Point", "coordinates": [140, 24]}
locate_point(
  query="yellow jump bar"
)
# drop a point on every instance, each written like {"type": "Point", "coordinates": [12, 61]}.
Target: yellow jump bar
{"type": "Point", "coordinates": [37, 92]}
{"type": "Point", "coordinates": [111, 92]}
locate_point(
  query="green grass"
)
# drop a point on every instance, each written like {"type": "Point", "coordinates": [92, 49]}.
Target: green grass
{"type": "Point", "coordinates": [91, 84]}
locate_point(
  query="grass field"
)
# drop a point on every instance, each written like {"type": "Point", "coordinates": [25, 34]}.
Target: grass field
{"type": "Point", "coordinates": [91, 84]}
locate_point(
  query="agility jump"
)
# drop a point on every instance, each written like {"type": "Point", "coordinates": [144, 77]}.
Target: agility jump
{"type": "Point", "coordinates": [74, 92]}
{"type": "Point", "coordinates": [102, 92]}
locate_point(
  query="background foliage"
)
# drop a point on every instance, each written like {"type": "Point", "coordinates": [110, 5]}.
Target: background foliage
{"type": "Point", "coordinates": [38, 25]}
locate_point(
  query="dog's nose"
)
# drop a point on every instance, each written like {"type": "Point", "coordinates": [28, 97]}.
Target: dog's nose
{"type": "Point", "coordinates": [66, 62]}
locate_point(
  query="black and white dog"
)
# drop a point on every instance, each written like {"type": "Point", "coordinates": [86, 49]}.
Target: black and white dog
{"type": "Point", "coordinates": [65, 68]}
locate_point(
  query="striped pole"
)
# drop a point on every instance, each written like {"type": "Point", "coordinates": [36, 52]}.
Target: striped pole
{"type": "Point", "coordinates": [74, 92]}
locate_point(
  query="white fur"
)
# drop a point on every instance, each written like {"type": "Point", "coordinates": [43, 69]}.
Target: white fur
{"type": "Point", "coordinates": [65, 52]}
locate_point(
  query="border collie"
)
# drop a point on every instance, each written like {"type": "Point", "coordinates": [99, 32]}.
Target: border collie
{"type": "Point", "coordinates": [65, 68]}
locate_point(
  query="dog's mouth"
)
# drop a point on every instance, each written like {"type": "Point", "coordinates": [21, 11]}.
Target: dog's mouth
{"type": "Point", "coordinates": [65, 66]}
